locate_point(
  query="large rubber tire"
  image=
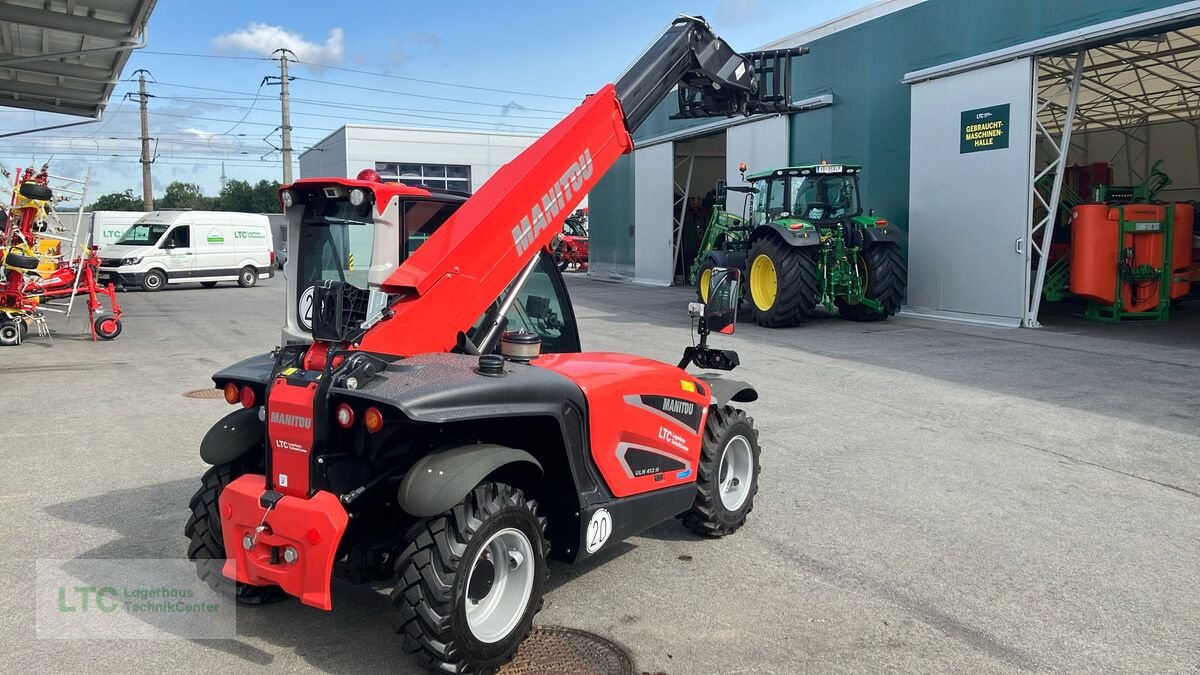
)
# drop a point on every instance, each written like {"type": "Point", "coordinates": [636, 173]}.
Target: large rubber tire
{"type": "Point", "coordinates": [247, 277]}
{"type": "Point", "coordinates": [36, 191]}
{"type": "Point", "coordinates": [207, 548]}
{"type": "Point", "coordinates": [728, 432]}
{"type": "Point", "coordinates": [704, 280]}
{"type": "Point", "coordinates": [21, 261]}
{"type": "Point", "coordinates": [12, 333]}
{"type": "Point", "coordinates": [154, 281]}
{"type": "Point", "coordinates": [887, 275]}
{"type": "Point", "coordinates": [435, 566]}
{"type": "Point", "coordinates": [797, 286]}
{"type": "Point", "coordinates": [208, 284]}
{"type": "Point", "coordinates": [107, 328]}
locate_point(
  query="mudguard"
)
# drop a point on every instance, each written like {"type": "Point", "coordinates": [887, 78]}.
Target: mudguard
{"type": "Point", "coordinates": [440, 480]}
{"type": "Point", "coordinates": [735, 259]}
{"type": "Point", "coordinates": [876, 235]}
{"type": "Point", "coordinates": [725, 390]}
{"type": "Point", "coordinates": [230, 438]}
{"type": "Point", "coordinates": [795, 238]}
{"type": "Point", "coordinates": [254, 370]}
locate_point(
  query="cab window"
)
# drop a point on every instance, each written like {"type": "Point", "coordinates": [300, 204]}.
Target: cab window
{"type": "Point", "coordinates": [541, 307]}
{"type": "Point", "coordinates": [758, 215]}
{"type": "Point", "coordinates": [421, 219]}
{"type": "Point", "coordinates": [180, 237]}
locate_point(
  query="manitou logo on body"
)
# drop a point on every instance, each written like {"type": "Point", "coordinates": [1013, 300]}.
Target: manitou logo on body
{"type": "Point", "coordinates": [553, 201]}
{"type": "Point", "coordinates": [298, 421]}
{"type": "Point", "coordinates": [677, 406]}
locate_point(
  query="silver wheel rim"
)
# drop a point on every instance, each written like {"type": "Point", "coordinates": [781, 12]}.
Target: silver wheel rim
{"type": "Point", "coordinates": [247, 277]}
{"type": "Point", "coordinates": [152, 281]}
{"type": "Point", "coordinates": [735, 471]}
{"type": "Point", "coordinates": [9, 332]}
{"type": "Point", "coordinates": [492, 616]}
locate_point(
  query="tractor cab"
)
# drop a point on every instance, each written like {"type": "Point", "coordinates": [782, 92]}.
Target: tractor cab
{"type": "Point", "coordinates": [347, 230]}
{"type": "Point", "coordinates": [821, 194]}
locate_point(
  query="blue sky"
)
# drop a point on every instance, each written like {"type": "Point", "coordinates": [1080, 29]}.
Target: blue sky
{"type": "Point", "coordinates": [209, 108]}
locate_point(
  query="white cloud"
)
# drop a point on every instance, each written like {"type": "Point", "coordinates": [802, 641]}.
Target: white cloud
{"type": "Point", "coordinates": [262, 39]}
{"type": "Point", "coordinates": [741, 12]}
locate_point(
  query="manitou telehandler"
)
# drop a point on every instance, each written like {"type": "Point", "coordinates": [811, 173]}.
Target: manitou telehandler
{"type": "Point", "coordinates": [430, 417]}
{"type": "Point", "coordinates": [806, 242]}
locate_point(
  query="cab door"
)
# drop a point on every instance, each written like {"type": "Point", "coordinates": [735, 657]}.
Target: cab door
{"type": "Point", "coordinates": [180, 257]}
{"type": "Point", "coordinates": [542, 307]}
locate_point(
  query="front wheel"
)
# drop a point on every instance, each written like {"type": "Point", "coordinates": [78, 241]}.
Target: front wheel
{"type": "Point", "coordinates": [783, 282]}
{"type": "Point", "coordinates": [471, 581]}
{"type": "Point", "coordinates": [885, 275]}
{"type": "Point", "coordinates": [107, 327]}
{"type": "Point", "coordinates": [154, 281]}
{"type": "Point", "coordinates": [727, 477]}
{"type": "Point", "coordinates": [704, 280]}
{"type": "Point", "coordinates": [247, 277]}
{"type": "Point", "coordinates": [12, 332]}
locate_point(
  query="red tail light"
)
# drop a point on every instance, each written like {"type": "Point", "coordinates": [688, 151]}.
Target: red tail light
{"type": "Point", "coordinates": [247, 397]}
{"type": "Point", "coordinates": [272, 258]}
{"type": "Point", "coordinates": [881, 222]}
{"type": "Point", "coordinates": [232, 395]}
{"type": "Point", "coordinates": [373, 419]}
{"type": "Point", "coordinates": [345, 416]}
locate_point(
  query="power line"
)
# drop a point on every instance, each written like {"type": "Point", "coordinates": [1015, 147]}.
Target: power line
{"type": "Point", "coordinates": [433, 98]}
{"type": "Point", "coordinates": [369, 108]}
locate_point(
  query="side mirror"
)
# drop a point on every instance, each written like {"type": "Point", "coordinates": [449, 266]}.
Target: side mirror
{"type": "Point", "coordinates": [169, 244]}
{"type": "Point", "coordinates": [722, 191]}
{"type": "Point", "coordinates": [720, 312]}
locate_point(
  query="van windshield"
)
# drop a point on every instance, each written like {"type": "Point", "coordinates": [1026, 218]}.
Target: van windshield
{"type": "Point", "coordinates": [146, 234]}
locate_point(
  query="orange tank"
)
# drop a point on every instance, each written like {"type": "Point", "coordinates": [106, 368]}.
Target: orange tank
{"type": "Point", "coordinates": [1097, 252]}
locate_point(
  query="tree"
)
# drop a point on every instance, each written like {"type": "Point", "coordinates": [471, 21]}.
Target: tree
{"type": "Point", "coordinates": [237, 195]}
{"type": "Point", "coordinates": [117, 201]}
{"type": "Point", "coordinates": [180, 195]}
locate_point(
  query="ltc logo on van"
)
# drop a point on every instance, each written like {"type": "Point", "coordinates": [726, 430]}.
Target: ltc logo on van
{"type": "Point", "coordinates": [215, 236]}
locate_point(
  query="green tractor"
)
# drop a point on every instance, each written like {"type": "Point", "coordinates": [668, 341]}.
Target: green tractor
{"type": "Point", "coordinates": [805, 242]}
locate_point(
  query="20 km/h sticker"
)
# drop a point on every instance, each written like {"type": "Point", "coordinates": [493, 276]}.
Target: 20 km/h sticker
{"type": "Point", "coordinates": [599, 529]}
{"type": "Point", "coordinates": [304, 308]}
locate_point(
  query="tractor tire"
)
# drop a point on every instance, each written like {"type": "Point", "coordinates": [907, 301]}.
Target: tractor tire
{"type": "Point", "coordinates": [247, 277]}
{"type": "Point", "coordinates": [12, 332]}
{"type": "Point", "coordinates": [36, 191]}
{"type": "Point", "coordinates": [727, 475]}
{"type": "Point", "coordinates": [207, 548]}
{"type": "Point", "coordinates": [208, 284]}
{"type": "Point", "coordinates": [704, 280]}
{"type": "Point", "coordinates": [783, 282]}
{"type": "Point", "coordinates": [887, 275]}
{"type": "Point", "coordinates": [439, 585]}
{"type": "Point", "coordinates": [107, 328]}
{"type": "Point", "coordinates": [154, 281]}
{"type": "Point", "coordinates": [21, 261]}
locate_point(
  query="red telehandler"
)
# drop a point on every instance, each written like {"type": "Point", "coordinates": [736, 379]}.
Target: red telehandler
{"type": "Point", "coordinates": [430, 418]}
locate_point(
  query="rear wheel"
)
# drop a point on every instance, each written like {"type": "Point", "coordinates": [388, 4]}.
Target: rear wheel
{"type": "Point", "coordinates": [154, 281]}
{"type": "Point", "coordinates": [247, 277]}
{"type": "Point", "coordinates": [208, 284]}
{"type": "Point", "coordinates": [727, 476]}
{"type": "Point", "coordinates": [107, 327]}
{"type": "Point", "coordinates": [783, 282]}
{"type": "Point", "coordinates": [886, 274]}
{"type": "Point", "coordinates": [471, 580]}
{"type": "Point", "coordinates": [207, 548]}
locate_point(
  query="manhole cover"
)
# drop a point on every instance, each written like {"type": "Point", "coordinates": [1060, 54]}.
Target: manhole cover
{"type": "Point", "coordinates": [553, 649]}
{"type": "Point", "coordinates": [204, 393]}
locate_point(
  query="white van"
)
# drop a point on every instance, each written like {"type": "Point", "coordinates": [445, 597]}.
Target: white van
{"type": "Point", "coordinates": [109, 226]}
{"type": "Point", "coordinates": [174, 247]}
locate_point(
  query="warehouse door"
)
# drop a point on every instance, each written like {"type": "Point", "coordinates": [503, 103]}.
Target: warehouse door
{"type": "Point", "coordinates": [653, 243]}
{"type": "Point", "coordinates": [969, 195]}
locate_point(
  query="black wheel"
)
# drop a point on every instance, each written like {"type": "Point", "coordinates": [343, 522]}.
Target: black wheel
{"type": "Point", "coordinates": [154, 281]}
{"type": "Point", "coordinates": [107, 327]}
{"type": "Point", "coordinates": [247, 277]}
{"type": "Point", "coordinates": [886, 275]}
{"type": "Point", "coordinates": [783, 282]}
{"type": "Point", "coordinates": [471, 581]}
{"type": "Point", "coordinates": [727, 479]}
{"type": "Point", "coordinates": [12, 332]}
{"type": "Point", "coordinates": [207, 548]}
{"type": "Point", "coordinates": [704, 280]}
{"type": "Point", "coordinates": [36, 191]}
{"type": "Point", "coordinates": [208, 284]}
{"type": "Point", "coordinates": [21, 261]}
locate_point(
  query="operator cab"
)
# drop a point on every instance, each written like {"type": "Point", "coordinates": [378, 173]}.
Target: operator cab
{"type": "Point", "coordinates": [822, 194]}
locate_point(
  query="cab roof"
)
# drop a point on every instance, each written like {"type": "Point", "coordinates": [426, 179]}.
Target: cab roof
{"type": "Point", "coordinates": [806, 170]}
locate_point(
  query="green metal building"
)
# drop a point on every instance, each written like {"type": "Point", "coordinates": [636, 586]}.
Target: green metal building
{"type": "Point", "coordinates": [890, 87]}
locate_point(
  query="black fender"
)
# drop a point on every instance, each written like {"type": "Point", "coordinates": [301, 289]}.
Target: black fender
{"type": "Point", "coordinates": [233, 436]}
{"type": "Point", "coordinates": [254, 370]}
{"type": "Point", "coordinates": [441, 479]}
{"type": "Point", "coordinates": [878, 235]}
{"type": "Point", "coordinates": [734, 259]}
{"type": "Point", "coordinates": [725, 390]}
{"type": "Point", "coordinates": [793, 238]}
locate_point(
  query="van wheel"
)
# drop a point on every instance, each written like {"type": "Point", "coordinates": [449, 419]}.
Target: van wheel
{"type": "Point", "coordinates": [208, 284]}
{"type": "Point", "coordinates": [247, 277]}
{"type": "Point", "coordinates": [154, 281]}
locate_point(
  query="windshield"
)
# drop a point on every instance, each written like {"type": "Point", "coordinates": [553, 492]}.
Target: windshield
{"type": "Point", "coordinates": [336, 241]}
{"type": "Point", "coordinates": [146, 234]}
{"type": "Point", "coordinates": [822, 197]}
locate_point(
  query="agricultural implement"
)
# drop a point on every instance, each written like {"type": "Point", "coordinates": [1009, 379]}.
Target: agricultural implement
{"type": "Point", "coordinates": [805, 242]}
{"type": "Point", "coordinates": [430, 418]}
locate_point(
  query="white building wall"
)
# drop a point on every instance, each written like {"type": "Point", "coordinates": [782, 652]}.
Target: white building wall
{"type": "Point", "coordinates": [326, 158]}
{"type": "Point", "coordinates": [483, 152]}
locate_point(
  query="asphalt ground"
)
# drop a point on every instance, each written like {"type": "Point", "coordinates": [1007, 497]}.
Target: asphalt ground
{"type": "Point", "coordinates": [934, 498]}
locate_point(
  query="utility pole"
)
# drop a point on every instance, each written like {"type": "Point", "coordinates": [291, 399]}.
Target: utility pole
{"type": "Point", "coordinates": [147, 183]}
{"type": "Point", "coordinates": [285, 126]}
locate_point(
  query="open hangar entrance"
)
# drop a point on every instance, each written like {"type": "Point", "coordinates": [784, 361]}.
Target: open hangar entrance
{"type": "Point", "coordinates": [1007, 146]}
{"type": "Point", "coordinates": [675, 175]}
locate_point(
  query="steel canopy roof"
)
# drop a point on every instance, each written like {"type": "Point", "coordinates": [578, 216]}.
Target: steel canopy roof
{"type": "Point", "coordinates": [65, 56]}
